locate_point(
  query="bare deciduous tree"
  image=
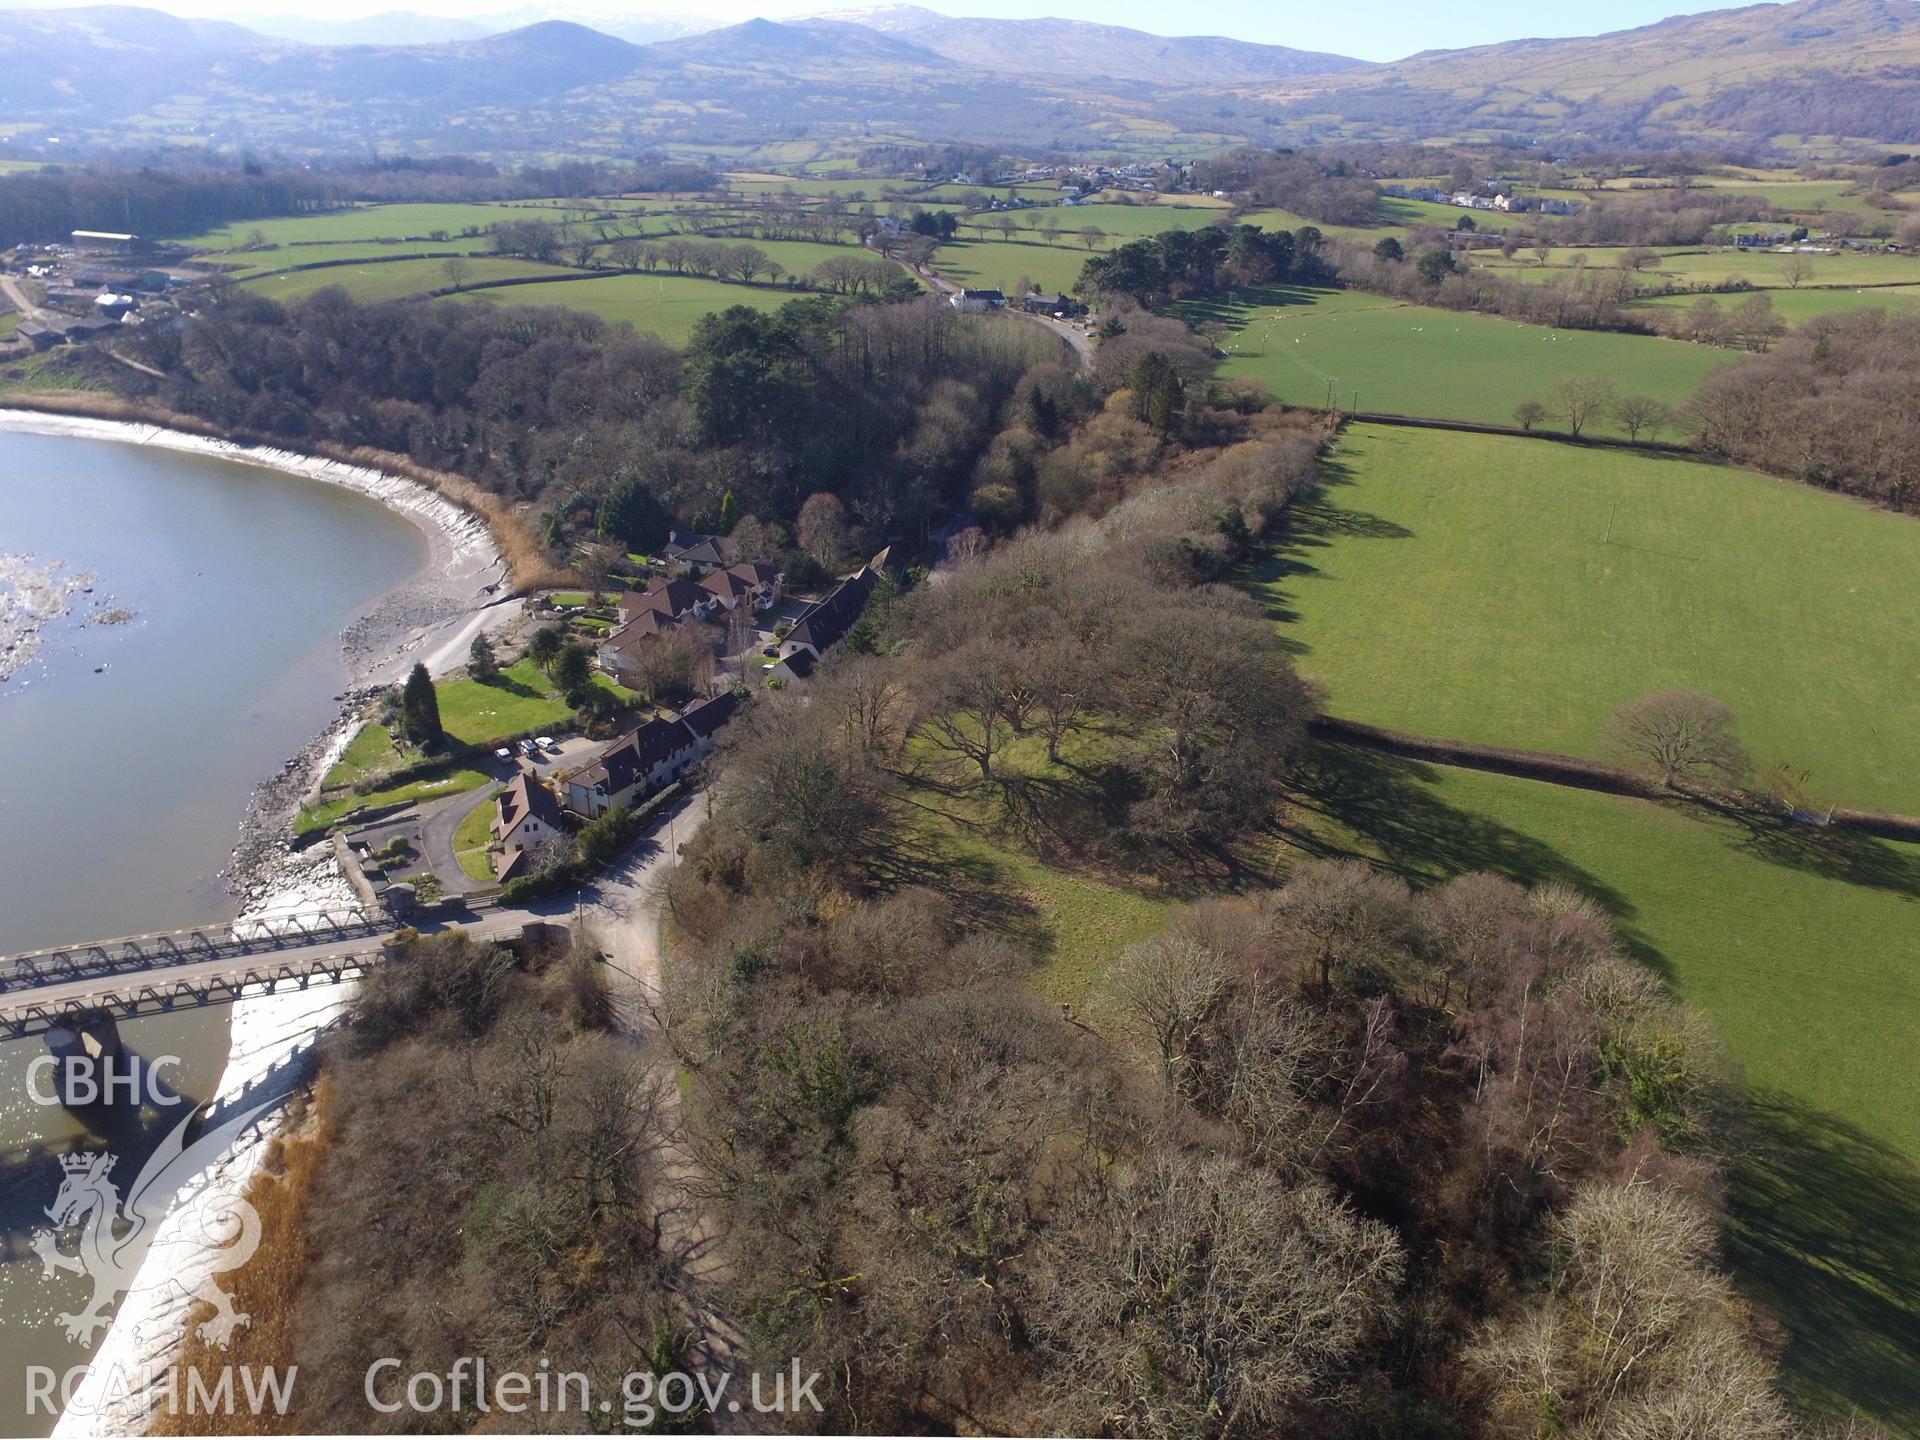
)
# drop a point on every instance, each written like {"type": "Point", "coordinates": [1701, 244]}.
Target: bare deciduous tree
{"type": "Point", "coordinates": [1197, 1296]}
{"type": "Point", "coordinates": [1641, 412]}
{"type": "Point", "coordinates": [821, 528]}
{"type": "Point", "coordinates": [1636, 1336]}
{"type": "Point", "coordinates": [1680, 735]}
{"type": "Point", "coordinates": [1578, 399]}
{"type": "Point", "coordinates": [1348, 921]}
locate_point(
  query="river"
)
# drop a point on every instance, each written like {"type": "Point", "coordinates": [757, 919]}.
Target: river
{"type": "Point", "coordinates": [202, 652]}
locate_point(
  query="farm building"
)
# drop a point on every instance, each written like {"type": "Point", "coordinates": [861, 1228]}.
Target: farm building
{"type": "Point", "coordinates": [104, 242]}
{"type": "Point", "coordinates": [977, 302]}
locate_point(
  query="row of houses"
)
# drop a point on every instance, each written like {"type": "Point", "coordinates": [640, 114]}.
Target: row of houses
{"type": "Point", "coordinates": [645, 760]}
{"type": "Point", "coordinates": [528, 816]}
{"type": "Point", "coordinates": [668, 605]}
{"type": "Point", "coordinates": [823, 624]}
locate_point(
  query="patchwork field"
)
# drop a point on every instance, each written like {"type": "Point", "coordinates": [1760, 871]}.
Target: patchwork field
{"type": "Point", "coordinates": [391, 279]}
{"type": "Point", "coordinates": [1805, 952]}
{"type": "Point", "coordinates": [1514, 591]}
{"type": "Point", "coordinates": [1762, 269]}
{"type": "Point", "coordinates": [1412, 360]}
{"type": "Point", "coordinates": [369, 222]}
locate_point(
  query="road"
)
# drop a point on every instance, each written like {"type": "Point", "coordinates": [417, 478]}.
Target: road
{"type": "Point", "coordinates": [621, 911]}
{"type": "Point", "coordinates": [1080, 343]}
{"type": "Point", "coordinates": [16, 293]}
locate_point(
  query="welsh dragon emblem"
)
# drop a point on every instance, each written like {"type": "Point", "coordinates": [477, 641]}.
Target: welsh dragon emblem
{"type": "Point", "coordinates": [115, 1233]}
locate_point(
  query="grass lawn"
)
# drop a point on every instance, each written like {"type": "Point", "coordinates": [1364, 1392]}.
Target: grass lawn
{"type": "Point", "coordinates": [1077, 916]}
{"type": "Point", "coordinates": [1805, 951]}
{"type": "Point", "coordinates": [470, 840]}
{"type": "Point", "coordinates": [1413, 360]}
{"type": "Point", "coordinates": [367, 753]}
{"type": "Point", "coordinates": [1081, 920]}
{"type": "Point", "coordinates": [667, 305]}
{"type": "Point", "coordinates": [428, 787]}
{"type": "Point", "coordinates": [1514, 591]}
{"type": "Point", "coordinates": [521, 699]}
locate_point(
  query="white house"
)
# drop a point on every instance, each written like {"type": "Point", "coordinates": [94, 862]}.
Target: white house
{"type": "Point", "coordinates": [977, 302]}
{"type": "Point", "coordinates": [525, 815]}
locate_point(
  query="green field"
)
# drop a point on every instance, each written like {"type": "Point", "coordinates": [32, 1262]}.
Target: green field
{"type": "Point", "coordinates": [1399, 217]}
{"type": "Point", "coordinates": [1514, 591]}
{"type": "Point", "coordinates": [1805, 952]}
{"type": "Point", "coordinates": [796, 257]}
{"type": "Point", "coordinates": [667, 305]}
{"type": "Point", "coordinates": [999, 264]}
{"type": "Point", "coordinates": [392, 279]}
{"type": "Point", "coordinates": [1796, 307]}
{"type": "Point", "coordinates": [1120, 222]}
{"type": "Point", "coordinates": [1763, 269]}
{"type": "Point", "coordinates": [1412, 360]}
{"type": "Point", "coordinates": [366, 222]}
{"type": "Point", "coordinates": [248, 263]}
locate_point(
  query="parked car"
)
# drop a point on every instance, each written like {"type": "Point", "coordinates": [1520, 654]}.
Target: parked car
{"type": "Point", "coordinates": [545, 742]}
{"type": "Point", "coordinates": [504, 753]}
{"type": "Point", "coordinates": [526, 747]}
{"type": "Point", "coordinates": [769, 650]}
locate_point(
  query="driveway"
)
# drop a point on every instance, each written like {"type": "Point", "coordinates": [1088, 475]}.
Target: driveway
{"type": "Point", "coordinates": [437, 823]}
{"type": "Point", "coordinates": [1079, 343]}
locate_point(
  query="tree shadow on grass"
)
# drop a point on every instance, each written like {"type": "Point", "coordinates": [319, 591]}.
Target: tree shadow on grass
{"type": "Point", "coordinates": [1313, 523]}
{"type": "Point", "coordinates": [511, 686]}
{"type": "Point", "coordinates": [1845, 855]}
{"type": "Point", "coordinates": [1391, 804]}
{"type": "Point", "coordinates": [1825, 1231]}
{"type": "Point", "coordinates": [1235, 306]}
{"type": "Point", "coordinates": [973, 884]}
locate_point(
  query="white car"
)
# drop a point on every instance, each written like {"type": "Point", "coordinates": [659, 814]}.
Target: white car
{"type": "Point", "coordinates": [545, 742]}
{"type": "Point", "coordinates": [504, 753]}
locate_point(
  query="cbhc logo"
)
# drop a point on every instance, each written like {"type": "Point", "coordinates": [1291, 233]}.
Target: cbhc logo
{"type": "Point", "coordinates": [85, 1080]}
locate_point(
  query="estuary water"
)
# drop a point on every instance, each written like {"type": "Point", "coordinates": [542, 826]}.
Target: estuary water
{"type": "Point", "coordinates": [181, 619]}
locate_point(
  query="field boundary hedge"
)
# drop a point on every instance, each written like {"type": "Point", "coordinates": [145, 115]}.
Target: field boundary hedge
{"type": "Point", "coordinates": [1552, 768]}
{"type": "Point", "coordinates": [572, 275]}
{"type": "Point", "coordinates": [1487, 427]}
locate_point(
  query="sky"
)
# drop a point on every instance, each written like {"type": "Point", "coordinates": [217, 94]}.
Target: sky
{"type": "Point", "coordinates": [1366, 29]}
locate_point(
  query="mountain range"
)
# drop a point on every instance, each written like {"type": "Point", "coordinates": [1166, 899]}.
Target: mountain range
{"type": "Point", "coordinates": [764, 90]}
